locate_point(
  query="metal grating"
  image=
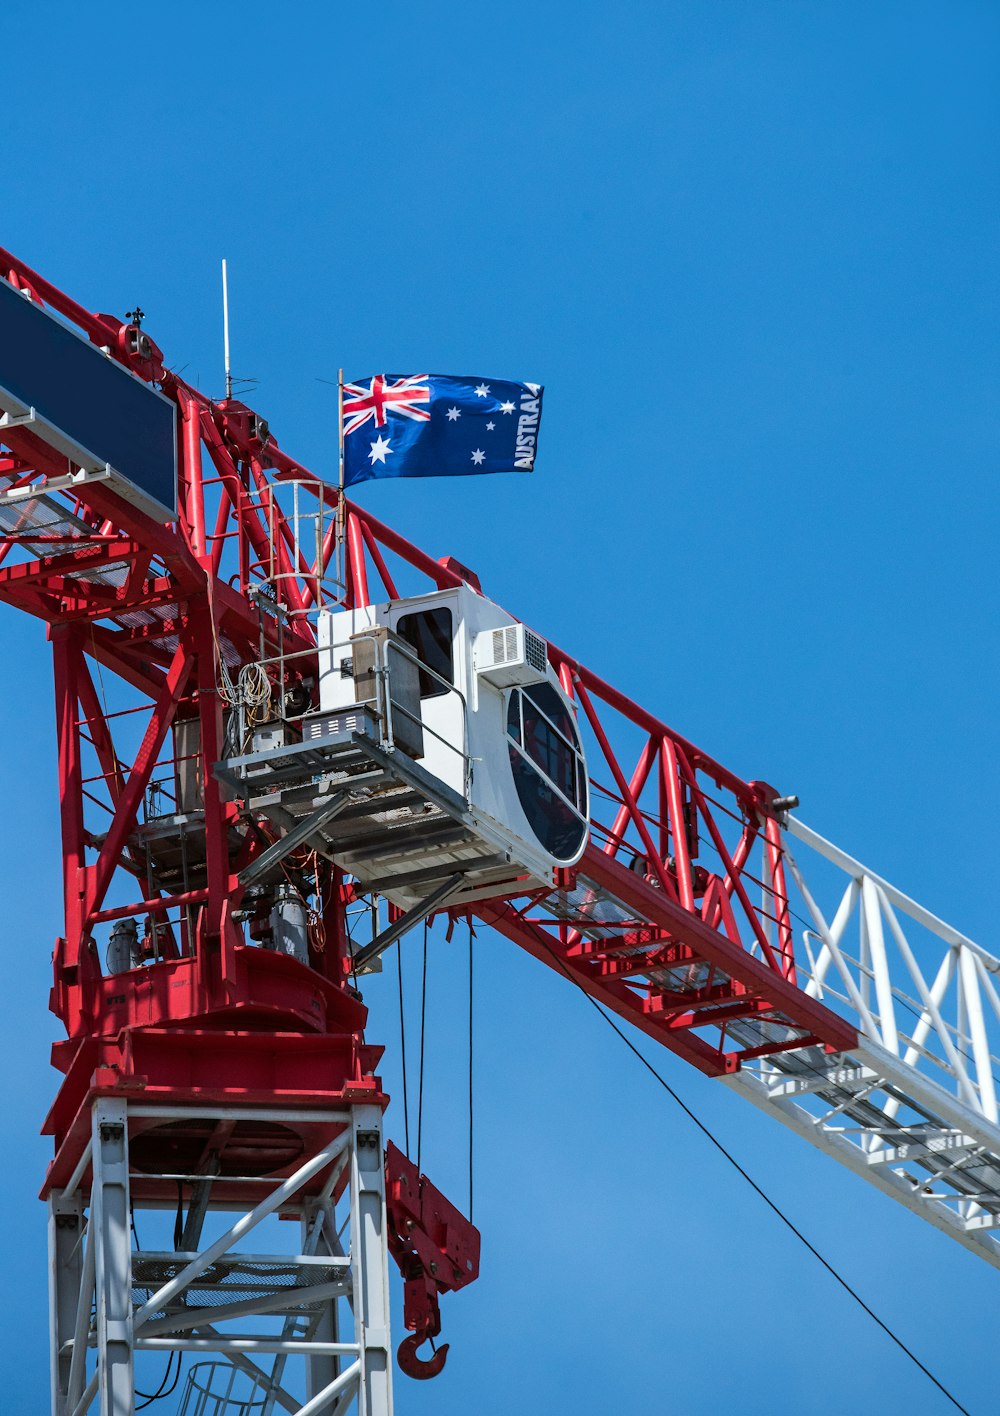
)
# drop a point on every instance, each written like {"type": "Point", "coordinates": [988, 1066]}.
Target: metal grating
{"type": "Point", "coordinates": [48, 516]}
{"type": "Point", "coordinates": [235, 1278]}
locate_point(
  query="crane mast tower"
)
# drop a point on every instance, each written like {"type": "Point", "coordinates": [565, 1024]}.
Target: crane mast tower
{"type": "Point", "coordinates": [273, 713]}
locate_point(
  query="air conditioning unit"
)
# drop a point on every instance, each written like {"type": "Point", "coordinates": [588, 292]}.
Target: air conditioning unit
{"type": "Point", "coordinates": [511, 656]}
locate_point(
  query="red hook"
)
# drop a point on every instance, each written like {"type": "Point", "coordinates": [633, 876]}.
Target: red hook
{"type": "Point", "coordinates": [418, 1367]}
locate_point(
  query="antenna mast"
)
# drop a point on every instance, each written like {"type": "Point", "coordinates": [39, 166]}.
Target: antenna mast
{"type": "Point", "coordinates": [225, 329]}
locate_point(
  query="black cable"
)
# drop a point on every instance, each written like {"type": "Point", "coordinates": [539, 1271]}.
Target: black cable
{"type": "Point", "coordinates": [402, 1043]}
{"type": "Point", "coordinates": [350, 950]}
{"type": "Point", "coordinates": [755, 1187]}
{"type": "Point", "coordinates": [785, 899]}
{"type": "Point", "coordinates": [162, 1390]}
{"type": "Point", "coordinates": [423, 1033]}
{"type": "Point", "coordinates": [179, 1216]}
{"type": "Point", "coordinates": [472, 935]}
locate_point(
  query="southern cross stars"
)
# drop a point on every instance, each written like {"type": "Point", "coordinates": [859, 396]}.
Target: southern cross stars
{"type": "Point", "coordinates": [490, 427]}
{"type": "Point", "coordinates": [479, 457]}
{"type": "Point", "coordinates": [507, 407]}
{"type": "Point", "coordinates": [379, 449]}
{"type": "Point", "coordinates": [453, 415]}
{"type": "Point", "coordinates": [482, 391]}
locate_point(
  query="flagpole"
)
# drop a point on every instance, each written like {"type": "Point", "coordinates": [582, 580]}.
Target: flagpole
{"type": "Point", "coordinates": [341, 510]}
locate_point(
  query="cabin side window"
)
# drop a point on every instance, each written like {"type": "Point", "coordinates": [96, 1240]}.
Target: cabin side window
{"type": "Point", "coordinates": [429, 633]}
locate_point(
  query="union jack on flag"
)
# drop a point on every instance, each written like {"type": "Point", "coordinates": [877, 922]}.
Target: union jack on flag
{"type": "Point", "coordinates": [438, 425]}
{"type": "Point", "coordinates": [398, 395]}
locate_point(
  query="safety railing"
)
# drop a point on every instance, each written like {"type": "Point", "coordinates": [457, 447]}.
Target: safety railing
{"type": "Point", "coordinates": [257, 684]}
{"type": "Point", "coordinates": [220, 1389]}
{"type": "Point", "coordinates": [298, 549]}
{"type": "Point", "coordinates": [917, 987]}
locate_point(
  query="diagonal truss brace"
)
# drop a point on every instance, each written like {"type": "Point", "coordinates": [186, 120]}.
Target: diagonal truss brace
{"type": "Point", "coordinates": [93, 1278]}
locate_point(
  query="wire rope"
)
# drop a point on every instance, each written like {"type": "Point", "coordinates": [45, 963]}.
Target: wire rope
{"type": "Point", "coordinates": [472, 935]}
{"type": "Point", "coordinates": [423, 1034]}
{"type": "Point", "coordinates": [771, 1204]}
{"type": "Point", "coordinates": [402, 1044]}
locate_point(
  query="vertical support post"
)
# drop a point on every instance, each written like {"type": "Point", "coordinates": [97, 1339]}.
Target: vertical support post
{"type": "Point", "coordinates": [671, 789]}
{"type": "Point", "coordinates": [321, 1369]}
{"type": "Point", "coordinates": [369, 1262]}
{"type": "Point", "coordinates": [977, 1031]}
{"type": "Point", "coordinates": [194, 486]}
{"type": "Point", "coordinates": [66, 659]}
{"type": "Point", "coordinates": [216, 920]}
{"type": "Point", "coordinates": [225, 330]}
{"type": "Point", "coordinates": [109, 1209]}
{"type": "Point", "coordinates": [775, 874]}
{"type": "Point", "coordinates": [871, 915]}
{"type": "Point", "coordinates": [65, 1283]}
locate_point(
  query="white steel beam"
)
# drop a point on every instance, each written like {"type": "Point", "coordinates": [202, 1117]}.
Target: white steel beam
{"type": "Point", "coordinates": [856, 870]}
{"type": "Point", "coordinates": [278, 1197]}
{"type": "Point", "coordinates": [913, 1107]}
{"type": "Point", "coordinates": [213, 1284]}
{"type": "Point", "coordinates": [369, 1257]}
{"type": "Point", "coordinates": [112, 1258]}
{"type": "Point", "coordinates": [844, 1149]}
{"type": "Point", "coordinates": [67, 1248]}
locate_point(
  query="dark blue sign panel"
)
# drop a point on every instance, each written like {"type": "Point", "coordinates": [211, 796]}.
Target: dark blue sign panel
{"type": "Point", "coordinates": [87, 405]}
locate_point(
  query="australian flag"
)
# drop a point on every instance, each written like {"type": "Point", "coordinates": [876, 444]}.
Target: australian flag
{"type": "Point", "coordinates": [438, 425]}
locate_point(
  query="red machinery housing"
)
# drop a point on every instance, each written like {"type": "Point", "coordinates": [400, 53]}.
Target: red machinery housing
{"type": "Point", "coordinates": [175, 611]}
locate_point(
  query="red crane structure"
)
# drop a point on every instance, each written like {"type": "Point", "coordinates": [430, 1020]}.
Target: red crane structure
{"type": "Point", "coordinates": [273, 714]}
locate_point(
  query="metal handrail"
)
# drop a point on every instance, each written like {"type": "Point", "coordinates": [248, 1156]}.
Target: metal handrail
{"type": "Point", "coordinates": [384, 706]}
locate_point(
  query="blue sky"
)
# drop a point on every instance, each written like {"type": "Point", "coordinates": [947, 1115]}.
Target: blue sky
{"type": "Point", "coordinates": [751, 251]}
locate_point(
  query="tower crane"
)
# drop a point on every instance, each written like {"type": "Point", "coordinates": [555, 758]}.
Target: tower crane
{"type": "Point", "coordinates": [285, 737]}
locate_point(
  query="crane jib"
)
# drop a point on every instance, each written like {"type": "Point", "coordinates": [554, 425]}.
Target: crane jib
{"type": "Point", "coordinates": [286, 737]}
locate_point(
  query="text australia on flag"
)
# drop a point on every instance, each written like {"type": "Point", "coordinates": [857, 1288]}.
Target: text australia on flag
{"type": "Point", "coordinates": [438, 425]}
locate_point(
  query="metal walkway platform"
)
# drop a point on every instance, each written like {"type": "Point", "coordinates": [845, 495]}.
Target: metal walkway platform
{"type": "Point", "coordinates": [373, 811]}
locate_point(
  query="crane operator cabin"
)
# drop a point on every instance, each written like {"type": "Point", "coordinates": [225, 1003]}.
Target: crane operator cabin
{"type": "Point", "coordinates": [451, 743]}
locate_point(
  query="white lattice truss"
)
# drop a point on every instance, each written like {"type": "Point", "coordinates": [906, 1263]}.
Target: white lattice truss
{"type": "Point", "coordinates": [913, 1108]}
{"type": "Point", "coordinates": [254, 1309]}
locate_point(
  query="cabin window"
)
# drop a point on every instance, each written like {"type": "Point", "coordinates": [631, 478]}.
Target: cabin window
{"type": "Point", "coordinates": [549, 774]}
{"type": "Point", "coordinates": [548, 737]}
{"type": "Point", "coordinates": [429, 635]}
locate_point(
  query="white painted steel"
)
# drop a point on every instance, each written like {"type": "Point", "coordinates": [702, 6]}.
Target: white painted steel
{"type": "Point", "coordinates": [67, 1266]}
{"type": "Point", "coordinates": [234, 1342]}
{"type": "Point", "coordinates": [370, 1262]}
{"type": "Point", "coordinates": [82, 1166]}
{"type": "Point", "coordinates": [225, 1312]}
{"type": "Point", "coordinates": [913, 1108]}
{"type": "Point", "coordinates": [242, 1113]}
{"type": "Point", "coordinates": [321, 1369]}
{"type": "Point", "coordinates": [321, 1401]}
{"type": "Point", "coordinates": [112, 1258]}
{"type": "Point", "coordinates": [280, 1396]}
{"type": "Point", "coordinates": [240, 1229]}
{"type": "Point", "coordinates": [78, 1361]}
{"type": "Point", "coordinates": [93, 1360]}
{"type": "Point", "coordinates": [86, 1400]}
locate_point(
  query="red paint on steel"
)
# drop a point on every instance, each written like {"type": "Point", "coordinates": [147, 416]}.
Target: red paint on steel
{"type": "Point", "coordinates": [172, 612]}
{"type": "Point", "coordinates": [437, 1251]}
